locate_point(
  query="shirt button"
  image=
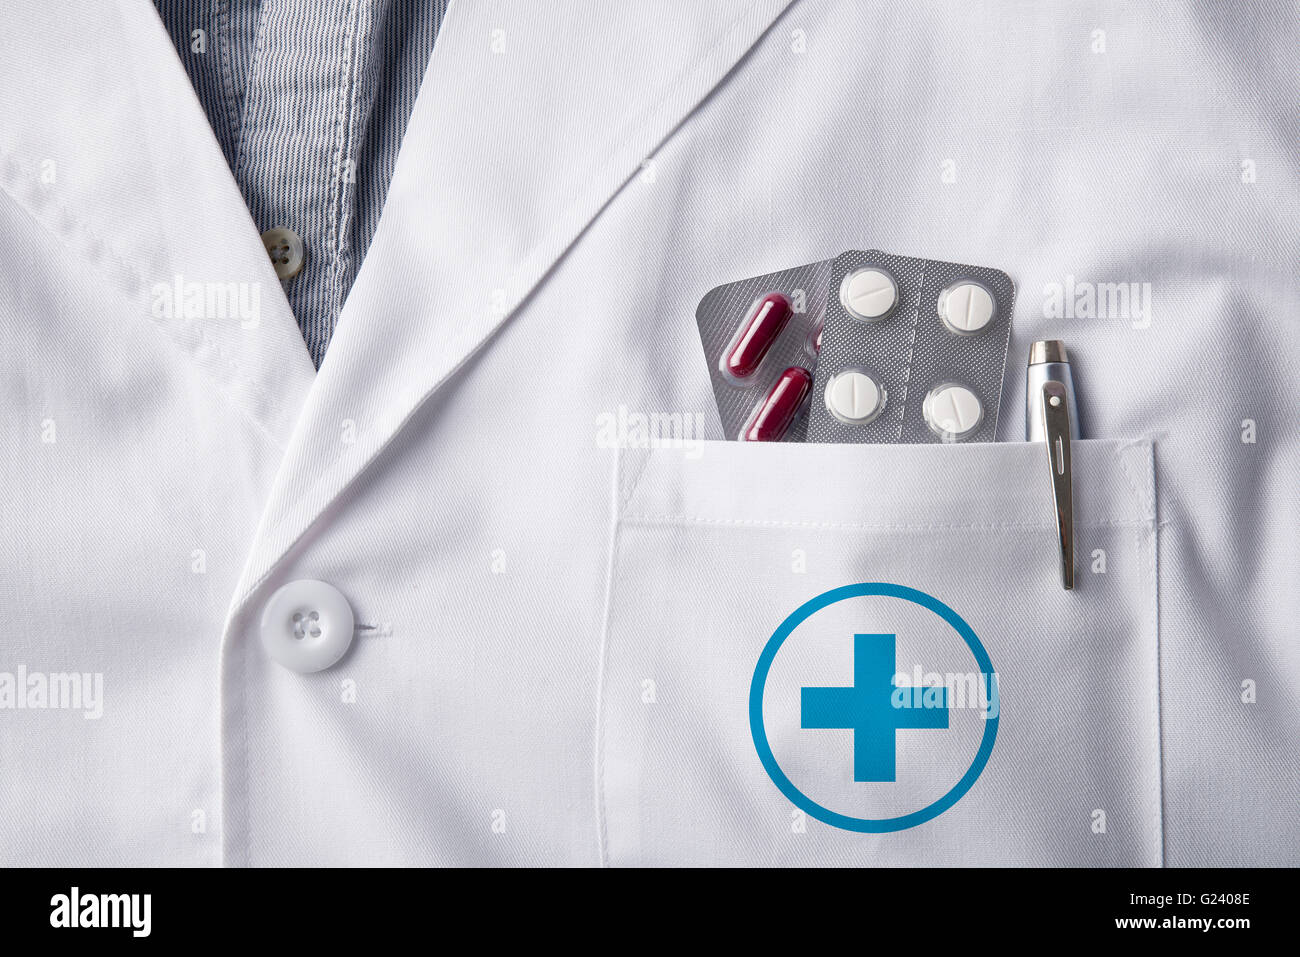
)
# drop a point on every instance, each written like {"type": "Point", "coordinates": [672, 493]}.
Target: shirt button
{"type": "Point", "coordinates": [285, 248]}
{"type": "Point", "coordinates": [307, 626]}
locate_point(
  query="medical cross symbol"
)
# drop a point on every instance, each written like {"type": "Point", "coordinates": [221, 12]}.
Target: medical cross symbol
{"type": "Point", "coordinates": [868, 709]}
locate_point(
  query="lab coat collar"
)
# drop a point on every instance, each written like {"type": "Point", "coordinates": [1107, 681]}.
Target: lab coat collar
{"type": "Point", "coordinates": [527, 123]}
{"type": "Point", "coordinates": [529, 119]}
{"type": "Point", "coordinates": [109, 151]}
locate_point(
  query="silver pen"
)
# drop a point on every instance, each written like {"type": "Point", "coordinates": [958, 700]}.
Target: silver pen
{"type": "Point", "coordinates": [1052, 417]}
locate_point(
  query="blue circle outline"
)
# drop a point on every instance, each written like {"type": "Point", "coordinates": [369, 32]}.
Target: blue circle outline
{"type": "Point", "coordinates": [865, 825]}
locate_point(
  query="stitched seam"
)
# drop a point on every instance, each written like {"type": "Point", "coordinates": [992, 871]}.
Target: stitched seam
{"type": "Point", "coordinates": [634, 478]}
{"type": "Point", "coordinates": [602, 819]}
{"type": "Point", "coordinates": [245, 781]}
{"type": "Point", "coordinates": [643, 519]}
{"type": "Point", "coordinates": [226, 69]}
{"type": "Point", "coordinates": [1154, 571]}
{"type": "Point", "coordinates": [343, 130]}
{"type": "Point", "coordinates": [1143, 491]}
{"type": "Point", "coordinates": [140, 283]}
{"type": "Point", "coordinates": [255, 83]}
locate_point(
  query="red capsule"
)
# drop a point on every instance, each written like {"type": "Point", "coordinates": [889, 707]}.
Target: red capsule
{"type": "Point", "coordinates": [780, 407]}
{"type": "Point", "coordinates": [766, 320]}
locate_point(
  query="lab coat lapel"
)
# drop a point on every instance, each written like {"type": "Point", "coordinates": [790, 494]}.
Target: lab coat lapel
{"type": "Point", "coordinates": [150, 205]}
{"type": "Point", "coordinates": [529, 120]}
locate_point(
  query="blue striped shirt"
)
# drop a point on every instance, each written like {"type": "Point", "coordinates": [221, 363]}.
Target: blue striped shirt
{"type": "Point", "coordinates": [309, 100]}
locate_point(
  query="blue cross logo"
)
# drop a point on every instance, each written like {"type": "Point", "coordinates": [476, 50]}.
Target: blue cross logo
{"type": "Point", "coordinates": [869, 710]}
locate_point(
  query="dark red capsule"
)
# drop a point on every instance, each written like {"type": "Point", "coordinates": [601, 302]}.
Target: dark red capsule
{"type": "Point", "coordinates": [764, 323]}
{"type": "Point", "coordinates": [780, 407]}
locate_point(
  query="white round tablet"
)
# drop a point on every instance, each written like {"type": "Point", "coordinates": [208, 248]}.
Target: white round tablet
{"type": "Point", "coordinates": [966, 308]}
{"type": "Point", "coordinates": [868, 294]}
{"type": "Point", "coordinates": [854, 397]}
{"type": "Point", "coordinates": [952, 411]}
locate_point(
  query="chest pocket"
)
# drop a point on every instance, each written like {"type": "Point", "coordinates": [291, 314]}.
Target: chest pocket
{"type": "Point", "coordinates": [715, 547]}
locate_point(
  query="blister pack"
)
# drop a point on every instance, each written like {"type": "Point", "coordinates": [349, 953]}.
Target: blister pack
{"type": "Point", "coordinates": [912, 350]}
{"type": "Point", "coordinates": [760, 339]}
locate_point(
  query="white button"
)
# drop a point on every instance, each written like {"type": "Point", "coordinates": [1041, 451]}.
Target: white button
{"type": "Point", "coordinates": [966, 308]}
{"type": "Point", "coordinates": [868, 293]}
{"type": "Point", "coordinates": [854, 398]}
{"type": "Point", "coordinates": [307, 625]}
{"type": "Point", "coordinates": [285, 248]}
{"type": "Point", "coordinates": [952, 411]}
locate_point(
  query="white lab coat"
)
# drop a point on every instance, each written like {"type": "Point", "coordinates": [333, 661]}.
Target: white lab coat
{"type": "Point", "coordinates": [556, 638]}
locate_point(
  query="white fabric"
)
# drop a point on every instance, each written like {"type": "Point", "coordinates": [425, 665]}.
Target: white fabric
{"type": "Point", "coordinates": [568, 188]}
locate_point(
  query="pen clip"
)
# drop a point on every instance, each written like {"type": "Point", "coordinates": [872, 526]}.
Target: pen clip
{"type": "Point", "coordinates": [1056, 428]}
